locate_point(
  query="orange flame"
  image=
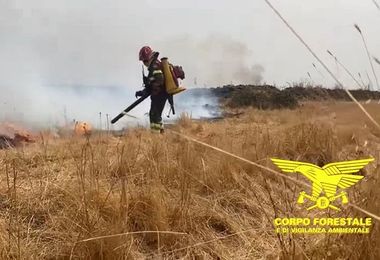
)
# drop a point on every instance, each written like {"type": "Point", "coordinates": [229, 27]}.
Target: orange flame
{"type": "Point", "coordinates": [82, 128]}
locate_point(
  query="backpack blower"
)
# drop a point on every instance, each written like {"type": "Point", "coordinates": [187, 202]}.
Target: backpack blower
{"type": "Point", "coordinates": [171, 75]}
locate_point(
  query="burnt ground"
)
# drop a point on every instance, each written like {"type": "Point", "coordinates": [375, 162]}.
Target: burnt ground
{"type": "Point", "coordinates": [270, 97]}
{"type": "Point", "coordinates": [17, 140]}
{"type": "Point", "coordinates": [6, 142]}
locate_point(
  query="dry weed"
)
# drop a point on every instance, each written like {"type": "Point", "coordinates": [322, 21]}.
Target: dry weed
{"type": "Point", "coordinates": [143, 196]}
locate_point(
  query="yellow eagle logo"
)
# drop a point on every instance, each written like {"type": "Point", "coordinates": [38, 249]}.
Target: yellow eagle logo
{"type": "Point", "coordinates": [326, 179]}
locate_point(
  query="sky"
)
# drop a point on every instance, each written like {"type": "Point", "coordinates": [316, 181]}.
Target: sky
{"type": "Point", "coordinates": [81, 57]}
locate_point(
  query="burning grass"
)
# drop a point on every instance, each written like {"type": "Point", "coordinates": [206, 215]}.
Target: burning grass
{"type": "Point", "coordinates": [12, 136]}
{"type": "Point", "coordinates": [160, 196]}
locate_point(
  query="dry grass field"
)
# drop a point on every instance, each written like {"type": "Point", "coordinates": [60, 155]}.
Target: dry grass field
{"type": "Point", "coordinates": [146, 196]}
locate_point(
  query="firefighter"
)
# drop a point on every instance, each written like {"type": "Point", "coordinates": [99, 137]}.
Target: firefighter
{"type": "Point", "coordinates": [155, 85]}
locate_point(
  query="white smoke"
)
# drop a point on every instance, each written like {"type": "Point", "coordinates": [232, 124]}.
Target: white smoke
{"type": "Point", "coordinates": [71, 60]}
{"type": "Point", "coordinates": [198, 104]}
{"type": "Point", "coordinates": [214, 60]}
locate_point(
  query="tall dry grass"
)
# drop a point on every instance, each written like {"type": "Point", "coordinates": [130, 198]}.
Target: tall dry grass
{"type": "Point", "coordinates": [145, 196]}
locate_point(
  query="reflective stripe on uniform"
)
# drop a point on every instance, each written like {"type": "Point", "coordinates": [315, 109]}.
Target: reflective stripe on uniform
{"type": "Point", "coordinates": [155, 126]}
{"type": "Point", "coordinates": [157, 72]}
{"type": "Point", "coordinates": [155, 131]}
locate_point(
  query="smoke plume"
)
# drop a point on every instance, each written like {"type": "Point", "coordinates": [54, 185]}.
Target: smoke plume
{"type": "Point", "coordinates": [62, 61]}
{"type": "Point", "coordinates": [214, 60]}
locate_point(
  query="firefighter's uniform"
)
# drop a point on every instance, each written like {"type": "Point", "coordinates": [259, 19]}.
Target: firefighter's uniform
{"type": "Point", "coordinates": [156, 83]}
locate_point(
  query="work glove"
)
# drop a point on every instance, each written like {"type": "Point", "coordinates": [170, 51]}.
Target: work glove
{"type": "Point", "coordinates": [139, 93]}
